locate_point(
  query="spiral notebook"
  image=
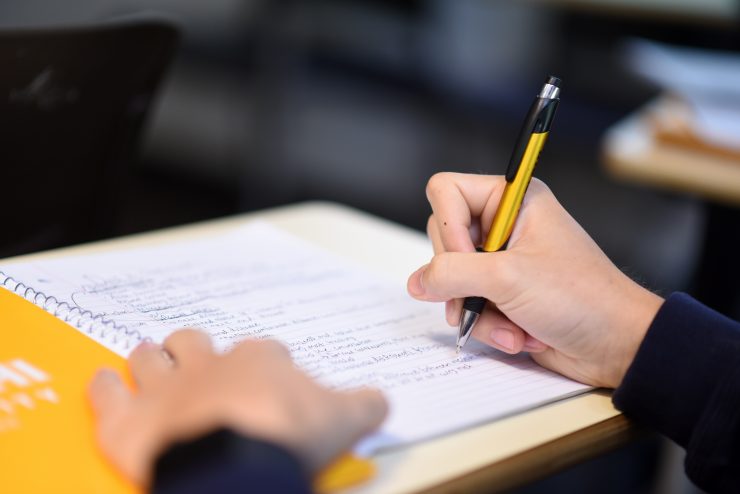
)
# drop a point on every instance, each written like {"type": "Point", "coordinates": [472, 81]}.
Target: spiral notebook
{"type": "Point", "coordinates": [344, 326]}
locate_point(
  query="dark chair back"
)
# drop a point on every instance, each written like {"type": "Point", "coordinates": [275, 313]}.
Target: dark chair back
{"type": "Point", "coordinates": [73, 102]}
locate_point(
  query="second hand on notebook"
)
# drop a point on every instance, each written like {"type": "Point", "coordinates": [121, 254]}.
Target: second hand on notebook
{"type": "Point", "coordinates": [518, 175]}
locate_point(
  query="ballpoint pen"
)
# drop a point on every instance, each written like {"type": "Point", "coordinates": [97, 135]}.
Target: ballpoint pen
{"type": "Point", "coordinates": [518, 175]}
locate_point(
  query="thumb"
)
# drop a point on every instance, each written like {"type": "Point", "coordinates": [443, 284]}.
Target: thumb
{"type": "Point", "coordinates": [108, 394]}
{"type": "Point", "coordinates": [453, 275]}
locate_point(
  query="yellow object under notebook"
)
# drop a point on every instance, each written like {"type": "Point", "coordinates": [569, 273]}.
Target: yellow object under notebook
{"type": "Point", "coordinates": [47, 441]}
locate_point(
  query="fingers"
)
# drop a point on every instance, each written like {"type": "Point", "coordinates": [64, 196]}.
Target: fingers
{"type": "Point", "coordinates": [457, 199]}
{"type": "Point", "coordinates": [148, 364]}
{"type": "Point", "coordinates": [495, 329]}
{"type": "Point", "coordinates": [188, 347]}
{"type": "Point", "coordinates": [274, 347]}
{"type": "Point", "coordinates": [333, 421]}
{"type": "Point", "coordinates": [453, 310]}
{"type": "Point", "coordinates": [366, 409]}
{"type": "Point", "coordinates": [533, 345]}
{"type": "Point", "coordinates": [108, 393]}
{"type": "Point", "coordinates": [353, 415]}
{"type": "Point", "coordinates": [254, 350]}
{"type": "Point", "coordinates": [433, 234]}
{"type": "Point", "coordinates": [455, 275]}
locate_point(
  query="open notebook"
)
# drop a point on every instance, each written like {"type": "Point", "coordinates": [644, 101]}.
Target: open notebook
{"type": "Point", "coordinates": [343, 325]}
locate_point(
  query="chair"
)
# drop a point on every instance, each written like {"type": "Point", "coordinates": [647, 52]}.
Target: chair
{"type": "Point", "coordinates": [73, 103]}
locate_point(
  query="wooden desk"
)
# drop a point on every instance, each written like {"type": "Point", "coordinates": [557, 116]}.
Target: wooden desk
{"type": "Point", "coordinates": [630, 152]}
{"type": "Point", "coordinates": [491, 457]}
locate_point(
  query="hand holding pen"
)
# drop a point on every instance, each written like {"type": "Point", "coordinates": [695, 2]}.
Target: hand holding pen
{"type": "Point", "coordinates": [552, 292]}
{"type": "Point", "coordinates": [518, 175]}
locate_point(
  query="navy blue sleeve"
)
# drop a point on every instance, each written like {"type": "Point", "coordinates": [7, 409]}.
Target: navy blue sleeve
{"type": "Point", "coordinates": [225, 462]}
{"type": "Point", "coordinates": [685, 383]}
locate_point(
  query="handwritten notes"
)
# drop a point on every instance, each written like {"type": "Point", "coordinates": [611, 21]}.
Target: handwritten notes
{"type": "Point", "coordinates": [343, 326]}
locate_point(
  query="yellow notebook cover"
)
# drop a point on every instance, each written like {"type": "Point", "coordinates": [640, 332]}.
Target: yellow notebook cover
{"type": "Point", "coordinates": [47, 441]}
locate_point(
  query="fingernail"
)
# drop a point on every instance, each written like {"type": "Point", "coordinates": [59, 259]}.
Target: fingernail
{"type": "Point", "coordinates": [416, 287]}
{"type": "Point", "coordinates": [449, 309]}
{"type": "Point", "coordinates": [147, 345]}
{"type": "Point", "coordinates": [504, 338]}
{"type": "Point", "coordinates": [105, 374]}
{"type": "Point", "coordinates": [532, 345]}
{"type": "Point", "coordinates": [167, 356]}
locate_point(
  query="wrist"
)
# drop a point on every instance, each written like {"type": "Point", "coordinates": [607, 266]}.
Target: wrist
{"type": "Point", "coordinates": [635, 313]}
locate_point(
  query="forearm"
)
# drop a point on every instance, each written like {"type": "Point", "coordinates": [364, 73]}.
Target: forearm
{"type": "Point", "coordinates": [685, 383]}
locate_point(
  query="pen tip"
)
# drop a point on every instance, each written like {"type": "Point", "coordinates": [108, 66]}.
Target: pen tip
{"type": "Point", "coordinates": [457, 351]}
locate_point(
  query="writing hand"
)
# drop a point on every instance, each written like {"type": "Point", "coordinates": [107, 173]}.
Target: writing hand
{"type": "Point", "coordinates": [553, 292]}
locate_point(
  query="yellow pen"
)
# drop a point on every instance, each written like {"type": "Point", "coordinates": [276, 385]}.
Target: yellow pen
{"type": "Point", "coordinates": [518, 175]}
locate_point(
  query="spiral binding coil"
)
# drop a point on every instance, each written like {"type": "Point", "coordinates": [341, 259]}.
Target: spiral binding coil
{"type": "Point", "coordinates": [94, 325]}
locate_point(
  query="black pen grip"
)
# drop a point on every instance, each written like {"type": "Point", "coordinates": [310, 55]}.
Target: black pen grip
{"type": "Point", "coordinates": [474, 304]}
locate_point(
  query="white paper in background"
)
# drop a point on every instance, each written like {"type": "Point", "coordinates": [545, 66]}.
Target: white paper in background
{"type": "Point", "coordinates": [708, 80]}
{"type": "Point", "coordinates": [343, 326]}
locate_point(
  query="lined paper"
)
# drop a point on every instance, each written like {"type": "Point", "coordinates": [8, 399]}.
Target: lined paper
{"type": "Point", "coordinates": [344, 326]}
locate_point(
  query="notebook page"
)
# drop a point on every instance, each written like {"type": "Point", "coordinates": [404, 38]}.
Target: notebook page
{"type": "Point", "coordinates": [343, 325]}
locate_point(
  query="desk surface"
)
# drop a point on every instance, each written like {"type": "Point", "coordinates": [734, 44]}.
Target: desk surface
{"type": "Point", "coordinates": [630, 152]}
{"type": "Point", "coordinates": [498, 455]}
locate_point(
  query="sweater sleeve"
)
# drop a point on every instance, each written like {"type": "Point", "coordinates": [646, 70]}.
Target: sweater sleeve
{"type": "Point", "coordinates": [685, 383]}
{"type": "Point", "coordinates": [226, 462]}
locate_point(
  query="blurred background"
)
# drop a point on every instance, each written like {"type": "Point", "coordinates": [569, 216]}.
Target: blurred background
{"type": "Point", "coordinates": [361, 101]}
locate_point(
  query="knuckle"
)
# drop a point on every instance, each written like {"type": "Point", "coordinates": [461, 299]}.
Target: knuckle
{"type": "Point", "coordinates": [539, 187]}
{"type": "Point", "coordinates": [436, 183]}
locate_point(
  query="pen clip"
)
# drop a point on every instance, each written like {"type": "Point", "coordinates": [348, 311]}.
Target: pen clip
{"type": "Point", "coordinates": [521, 142]}
{"type": "Point", "coordinates": [538, 121]}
